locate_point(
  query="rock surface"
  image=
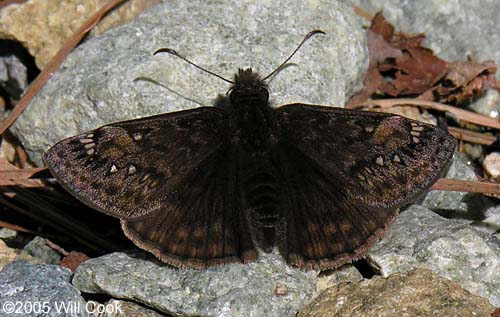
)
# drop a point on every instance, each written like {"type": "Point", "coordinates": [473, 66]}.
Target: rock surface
{"type": "Point", "coordinates": [32, 285]}
{"type": "Point", "coordinates": [416, 293]}
{"type": "Point", "coordinates": [6, 233]}
{"type": "Point", "coordinates": [128, 309]}
{"type": "Point", "coordinates": [344, 273]}
{"type": "Point", "coordinates": [97, 83]}
{"type": "Point", "coordinates": [453, 250]}
{"type": "Point", "coordinates": [42, 27]}
{"type": "Point", "coordinates": [8, 255]}
{"type": "Point", "coordinates": [491, 220]}
{"type": "Point", "coordinates": [13, 75]}
{"type": "Point", "coordinates": [455, 29]}
{"type": "Point", "coordinates": [267, 287]}
{"type": "Point", "coordinates": [491, 164]}
{"type": "Point", "coordinates": [459, 205]}
{"type": "Point", "coordinates": [39, 249]}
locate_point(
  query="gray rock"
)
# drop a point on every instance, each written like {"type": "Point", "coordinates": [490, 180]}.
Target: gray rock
{"type": "Point", "coordinates": [95, 85]}
{"type": "Point", "coordinates": [473, 151]}
{"type": "Point", "coordinates": [6, 233]}
{"type": "Point", "coordinates": [121, 308]}
{"type": "Point", "coordinates": [423, 239]}
{"type": "Point", "coordinates": [33, 285]}
{"type": "Point", "coordinates": [488, 105]}
{"type": "Point", "coordinates": [455, 29]}
{"type": "Point", "coordinates": [345, 273]}
{"type": "Point", "coordinates": [267, 287]}
{"type": "Point", "coordinates": [459, 205]}
{"type": "Point", "coordinates": [39, 249]}
{"type": "Point", "coordinates": [416, 293]}
{"type": "Point", "coordinates": [491, 221]}
{"type": "Point", "coordinates": [13, 75]}
{"type": "Point", "coordinates": [9, 255]}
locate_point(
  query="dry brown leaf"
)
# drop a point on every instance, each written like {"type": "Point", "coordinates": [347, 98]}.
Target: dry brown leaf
{"type": "Point", "coordinates": [417, 69]}
{"type": "Point", "coordinates": [463, 82]}
{"type": "Point", "coordinates": [496, 313]}
{"type": "Point", "coordinates": [401, 67]}
{"type": "Point", "coordinates": [10, 175]}
{"type": "Point", "coordinates": [73, 260]}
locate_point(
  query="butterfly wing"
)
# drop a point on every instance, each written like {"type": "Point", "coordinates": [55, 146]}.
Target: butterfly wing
{"type": "Point", "coordinates": [204, 225]}
{"type": "Point", "coordinates": [171, 179]}
{"type": "Point", "coordinates": [128, 169]}
{"type": "Point", "coordinates": [346, 172]}
{"type": "Point", "coordinates": [385, 160]}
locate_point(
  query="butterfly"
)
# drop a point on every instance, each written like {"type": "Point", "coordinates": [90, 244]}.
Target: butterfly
{"type": "Point", "coordinates": [209, 186]}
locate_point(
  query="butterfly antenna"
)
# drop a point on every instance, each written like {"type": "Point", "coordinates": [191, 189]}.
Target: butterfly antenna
{"type": "Point", "coordinates": [307, 37]}
{"type": "Point", "coordinates": [174, 52]}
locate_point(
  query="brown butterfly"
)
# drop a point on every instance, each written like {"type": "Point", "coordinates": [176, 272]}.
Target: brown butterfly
{"type": "Point", "coordinates": [209, 186]}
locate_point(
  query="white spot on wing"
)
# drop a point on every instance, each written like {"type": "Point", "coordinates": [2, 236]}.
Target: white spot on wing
{"type": "Point", "coordinates": [137, 136]}
{"type": "Point", "coordinates": [132, 169]}
{"type": "Point", "coordinates": [85, 141]}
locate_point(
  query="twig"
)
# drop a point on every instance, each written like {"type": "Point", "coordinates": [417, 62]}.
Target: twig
{"type": "Point", "coordinates": [362, 13]}
{"type": "Point", "coordinates": [25, 173]}
{"type": "Point", "coordinates": [471, 136]}
{"type": "Point", "coordinates": [459, 113]}
{"type": "Point", "coordinates": [11, 226]}
{"type": "Point", "coordinates": [56, 247]}
{"type": "Point", "coordinates": [10, 175]}
{"type": "Point", "coordinates": [466, 186]}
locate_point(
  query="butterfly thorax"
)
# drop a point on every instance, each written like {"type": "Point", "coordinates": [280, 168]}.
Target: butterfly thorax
{"type": "Point", "coordinates": [255, 130]}
{"type": "Point", "coordinates": [254, 118]}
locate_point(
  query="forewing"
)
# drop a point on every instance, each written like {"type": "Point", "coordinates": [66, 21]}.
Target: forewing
{"type": "Point", "coordinates": [383, 160]}
{"type": "Point", "coordinates": [129, 169]}
{"type": "Point", "coordinates": [345, 172]}
{"type": "Point", "coordinates": [204, 225]}
{"type": "Point", "coordinates": [324, 227]}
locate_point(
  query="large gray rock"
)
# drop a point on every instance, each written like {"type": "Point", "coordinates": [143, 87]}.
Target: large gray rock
{"type": "Point", "coordinates": [267, 287]}
{"type": "Point", "coordinates": [95, 85]}
{"type": "Point", "coordinates": [32, 285]}
{"type": "Point", "coordinates": [422, 239]}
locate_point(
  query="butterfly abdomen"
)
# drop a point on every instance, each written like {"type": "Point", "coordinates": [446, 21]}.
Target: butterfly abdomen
{"type": "Point", "coordinates": [262, 196]}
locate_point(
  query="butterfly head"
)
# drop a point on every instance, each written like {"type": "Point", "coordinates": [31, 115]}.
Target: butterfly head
{"type": "Point", "coordinates": [248, 86]}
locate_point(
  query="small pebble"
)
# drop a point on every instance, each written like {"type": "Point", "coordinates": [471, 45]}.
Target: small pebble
{"type": "Point", "coordinates": [491, 164]}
